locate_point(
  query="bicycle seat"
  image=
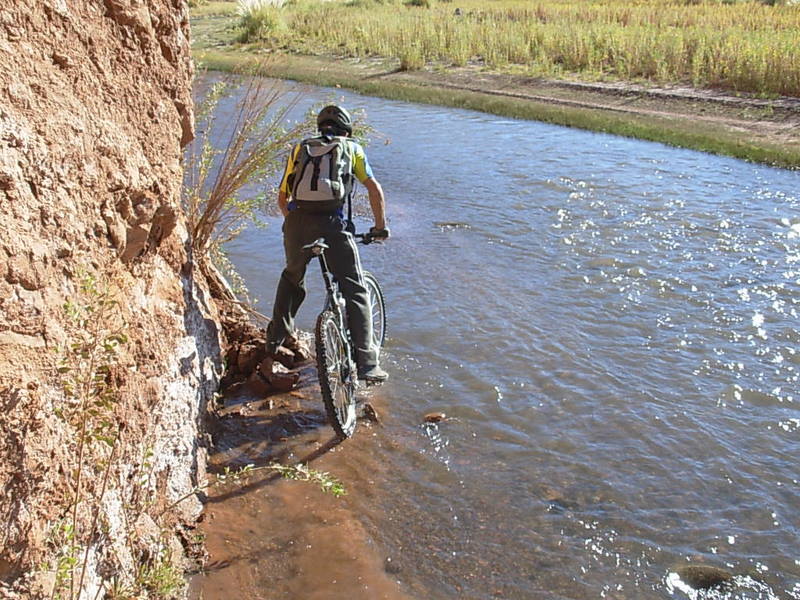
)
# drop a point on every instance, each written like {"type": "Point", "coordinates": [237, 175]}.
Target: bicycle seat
{"type": "Point", "coordinates": [317, 246]}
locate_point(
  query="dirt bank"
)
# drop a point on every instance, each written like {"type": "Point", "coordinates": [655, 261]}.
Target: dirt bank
{"type": "Point", "coordinates": [753, 120]}
{"type": "Point", "coordinates": [95, 108]}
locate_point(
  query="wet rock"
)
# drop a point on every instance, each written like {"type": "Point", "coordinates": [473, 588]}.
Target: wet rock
{"type": "Point", "coordinates": [369, 413]}
{"type": "Point", "coordinates": [284, 382]}
{"type": "Point", "coordinates": [434, 417]}
{"type": "Point", "coordinates": [285, 357]}
{"type": "Point", "coordinates": [258, 385]}
{"type": "Point", "coordinates": [557, 502]}
{"type": "Point", "coordinates": [301, 355]}
{"type": "Point", "coordinates": [703, 577]}
{"type": "Point", "coordinates": [391, 567]}
{"type": "Point", "coordinates": [247, 359]}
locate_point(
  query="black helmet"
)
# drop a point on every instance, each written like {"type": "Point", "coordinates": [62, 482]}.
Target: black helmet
{"type": "Point", "coordinates": [336, 116]}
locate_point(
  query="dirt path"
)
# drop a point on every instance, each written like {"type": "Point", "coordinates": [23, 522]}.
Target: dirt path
{"type": "Point", "coordinates": [774, 121]}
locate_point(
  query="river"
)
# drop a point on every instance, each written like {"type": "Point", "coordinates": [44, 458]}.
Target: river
{"type": "Point", "coordinates": [611, 327]}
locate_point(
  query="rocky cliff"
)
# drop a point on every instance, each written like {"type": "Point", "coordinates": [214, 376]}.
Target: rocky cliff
{"type": "Point", "coordinates": [95, 109]}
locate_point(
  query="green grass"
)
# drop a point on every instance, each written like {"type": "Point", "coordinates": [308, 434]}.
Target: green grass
{"type": "Point", "coordinates": [743, 46]}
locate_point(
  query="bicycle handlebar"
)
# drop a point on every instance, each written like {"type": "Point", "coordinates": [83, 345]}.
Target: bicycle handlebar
{"type": "Point", "coordinates": [368, 238]}
{"type": "Point", "coordinates": [363, 238]}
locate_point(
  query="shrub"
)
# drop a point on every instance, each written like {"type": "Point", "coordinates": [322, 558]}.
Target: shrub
{"type": "Point", "coordinates": [247, 149]}
{"type": "Point", "coordinates": [260, 20]}
{"type": "Point", "coordinates": [411, 58]}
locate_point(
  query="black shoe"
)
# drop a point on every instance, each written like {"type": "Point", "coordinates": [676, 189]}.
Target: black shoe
{"type": "Point", "coordinates": [373, 375]}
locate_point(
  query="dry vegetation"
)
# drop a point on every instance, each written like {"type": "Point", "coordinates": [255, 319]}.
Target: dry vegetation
{"type": "Point", "coordinates": [606, 65]}
{"type": "Point", "coordinates": [743, 46]}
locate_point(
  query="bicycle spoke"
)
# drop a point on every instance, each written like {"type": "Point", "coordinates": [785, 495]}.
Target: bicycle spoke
{"type": "Point", "coordinates": [336, 382]}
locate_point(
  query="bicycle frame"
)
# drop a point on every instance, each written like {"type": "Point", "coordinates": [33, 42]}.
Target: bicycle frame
{"type": "Point", "coordinates": [333, 297]}
{"type": "Point", "coordinates": [335, 302]}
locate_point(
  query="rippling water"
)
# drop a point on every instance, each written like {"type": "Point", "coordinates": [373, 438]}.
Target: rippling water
{"type": "Point", "coordinates": [611, 327]}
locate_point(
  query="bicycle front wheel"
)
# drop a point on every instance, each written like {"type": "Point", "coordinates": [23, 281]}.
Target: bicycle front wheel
{"type": "Point", "coordinates": [377, 307]}
{"type": "Point", "coordinates": [337, 380]}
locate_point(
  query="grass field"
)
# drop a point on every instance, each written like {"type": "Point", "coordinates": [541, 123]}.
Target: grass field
{"type": "Point", "coordinates": [376, 48]}
{"type": "Point", "coordinates": [743, 46]}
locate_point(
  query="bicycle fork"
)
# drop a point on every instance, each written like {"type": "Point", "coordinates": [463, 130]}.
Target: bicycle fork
{"type": "Point", "coordinates": [338, 305]}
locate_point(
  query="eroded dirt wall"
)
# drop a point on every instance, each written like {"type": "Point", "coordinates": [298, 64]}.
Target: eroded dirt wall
{"type": "Point", "coordinates": [95, 108]}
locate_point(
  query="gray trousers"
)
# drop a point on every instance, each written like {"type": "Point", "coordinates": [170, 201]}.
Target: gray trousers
{"type": "Point", "coordinates": [300, 229]}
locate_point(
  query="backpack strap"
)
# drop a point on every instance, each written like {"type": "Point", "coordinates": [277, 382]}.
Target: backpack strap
{"type": "Point", "coordinates": [347, 178]}
{"type": "Point", "coordinates": [315, 175]}
{"type": "Point", "coordinates": [334, 159]}
{"type": "Point", "coordinates": [298, 177]}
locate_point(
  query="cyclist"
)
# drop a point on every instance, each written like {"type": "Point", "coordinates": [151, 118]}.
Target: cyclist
{"type": "Point", "coordinates": [317, 181]}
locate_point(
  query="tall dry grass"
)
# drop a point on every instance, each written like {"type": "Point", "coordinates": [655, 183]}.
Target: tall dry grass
{"type": "Point", "coordinates": [745, 46]}
{"type": "Point", "coordinates": [244, 148]}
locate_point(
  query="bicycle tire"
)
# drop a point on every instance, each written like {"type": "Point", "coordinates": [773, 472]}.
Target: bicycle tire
{"type": "Point", "coordinates": [336, 379]}
{"type": "Point", "coordinates": [377, 306]}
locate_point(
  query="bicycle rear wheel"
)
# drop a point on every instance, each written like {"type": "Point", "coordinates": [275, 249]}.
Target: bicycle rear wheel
{"type": "Point", "coordinates": [377, 307]}
{"type": "Point", "coordinates": [336, 378]}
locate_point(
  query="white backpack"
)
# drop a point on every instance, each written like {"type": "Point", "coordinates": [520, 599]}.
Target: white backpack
{"type": "Point", "coordinates": [322, 170]}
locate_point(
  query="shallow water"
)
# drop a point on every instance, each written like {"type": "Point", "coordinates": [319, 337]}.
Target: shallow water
{"type": "Point", "coordinates": [611, 327]}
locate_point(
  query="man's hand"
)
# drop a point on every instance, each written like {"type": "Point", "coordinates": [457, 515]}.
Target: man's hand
{"type": "Point", "coordinates": [379, 234]}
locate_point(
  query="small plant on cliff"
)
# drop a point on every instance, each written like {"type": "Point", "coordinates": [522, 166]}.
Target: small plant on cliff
{"type": "Point", "coordinates": [86, 369]}
{"type": "Point", "coordinates": [299, 472]}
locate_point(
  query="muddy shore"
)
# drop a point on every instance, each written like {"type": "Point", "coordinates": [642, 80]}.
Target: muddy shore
{"type": "Point", "coordinates": [265, 534]}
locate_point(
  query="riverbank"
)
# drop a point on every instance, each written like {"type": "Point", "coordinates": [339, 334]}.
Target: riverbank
{"type": "Point", "coordinates": [756, 129]}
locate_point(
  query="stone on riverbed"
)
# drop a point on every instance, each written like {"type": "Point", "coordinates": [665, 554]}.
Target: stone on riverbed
{"type": "Point", "coordinates": [435, 417]}
{"type": "Point", "coordinates": [703, 577]}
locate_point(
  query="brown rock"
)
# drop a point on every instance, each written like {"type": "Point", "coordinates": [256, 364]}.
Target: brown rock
{"type": "Point", "coordinates": [435, 417]}
{"type": "Point", "coordinates": [368, 412]}
{"type": "Point", "coordinates": [703, 577]}
{"type": "Point", "coordinates": [164, 221]}
{"type": "Point", "coordinates": [284, 382]}
{"type": "Point", "coordinates": [249, 356]}
{"type": "Point", "coordinates": [285, 357]}
{"type": "Point", "coordinates": [301, 355]}
{"type": "Point", "coordinates": [117, 231]}
{"type": "Point", "coordinates": [259, 385]}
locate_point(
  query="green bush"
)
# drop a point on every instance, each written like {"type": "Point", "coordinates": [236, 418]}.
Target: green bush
{"type": "Point", "coordinates": [261, 21]}
{"type": "Point", "coordinates": [411, 58]}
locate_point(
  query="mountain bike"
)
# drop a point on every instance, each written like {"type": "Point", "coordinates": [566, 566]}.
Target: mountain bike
{"type": "Point", "coordinates": [336, 353]}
